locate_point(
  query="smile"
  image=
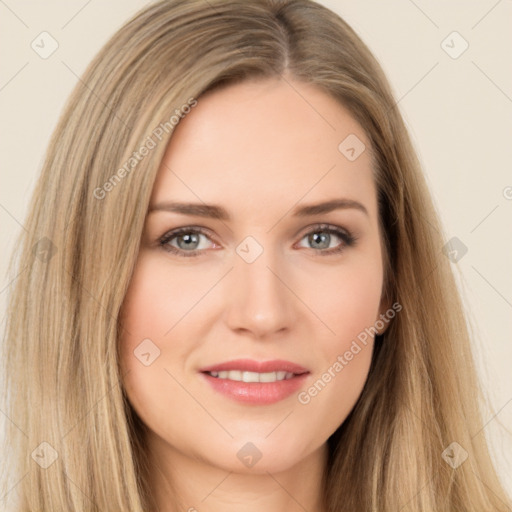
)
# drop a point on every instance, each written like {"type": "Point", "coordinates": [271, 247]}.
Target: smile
{"type": "Point", "coordinates": [244, 376]}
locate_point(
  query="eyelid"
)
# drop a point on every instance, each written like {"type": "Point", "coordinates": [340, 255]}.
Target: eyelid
{"type": "Point", "coordinates": [169, 235]}
{"type": "Point", "coordinates": [320, 226]}
{"type": "Point", "coordinates": [348, 237]}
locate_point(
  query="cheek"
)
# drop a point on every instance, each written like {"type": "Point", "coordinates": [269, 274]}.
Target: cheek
{"type": "Point", "coordinates": [346, 300]}
{"type": "Point", "coordinates": [349, 307]}
{"type": "Point", "coordinates": [340, 377]}
{"type": "Point", "coordinates": [150, 310]}
{"type": "Point", "coordinates": [157, 298]}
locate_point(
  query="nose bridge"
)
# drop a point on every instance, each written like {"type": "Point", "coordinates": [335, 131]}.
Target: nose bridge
{"type": "Point", "coordinates": [260, 302]}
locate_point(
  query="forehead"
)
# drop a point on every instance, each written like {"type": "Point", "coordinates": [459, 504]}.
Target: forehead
{"type": "Point", "coordinates": [266, 143]}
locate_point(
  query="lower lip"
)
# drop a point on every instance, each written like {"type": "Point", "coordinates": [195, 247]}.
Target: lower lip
{"type": "Point", "coordinates": [258, 393]}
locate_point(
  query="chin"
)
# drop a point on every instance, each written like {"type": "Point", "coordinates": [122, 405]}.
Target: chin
{"type": "Point", "coordinates": [254, 455]}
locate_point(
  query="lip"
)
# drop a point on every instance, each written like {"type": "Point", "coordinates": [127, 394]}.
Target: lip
{"type": "Point", "coordinates": [249, 365]}
{"type": "Point", "coordinates": [256, 393]}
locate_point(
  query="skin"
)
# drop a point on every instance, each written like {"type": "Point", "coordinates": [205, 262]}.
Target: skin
{"type": "Point", "coordinates": [259, 149]}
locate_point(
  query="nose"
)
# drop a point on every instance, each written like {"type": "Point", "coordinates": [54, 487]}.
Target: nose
{"type": "Point", "coordinates": [260, 300]}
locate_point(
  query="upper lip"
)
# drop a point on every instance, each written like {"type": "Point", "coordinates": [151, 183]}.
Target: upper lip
{"type": "Point", "coordinates": [250, 365]}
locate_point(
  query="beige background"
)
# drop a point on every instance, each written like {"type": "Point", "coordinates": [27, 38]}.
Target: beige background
{"type": "Point", "coordinates": [458, 110]}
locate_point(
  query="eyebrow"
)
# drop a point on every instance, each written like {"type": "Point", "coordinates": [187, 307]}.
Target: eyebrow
{"type": "Point", "coordinates": [220, 213]}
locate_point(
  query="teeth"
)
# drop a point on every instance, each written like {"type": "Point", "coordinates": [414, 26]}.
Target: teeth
{"type": "Point", "coordinates": [252, 376]}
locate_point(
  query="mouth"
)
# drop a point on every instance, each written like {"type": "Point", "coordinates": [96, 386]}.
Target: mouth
{"type": "Point", "coordinates": [240, 376]}
{"type": "Point", "coordinates": [255, 382]}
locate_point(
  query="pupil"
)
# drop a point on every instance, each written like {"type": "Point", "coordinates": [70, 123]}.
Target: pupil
{"type": "Point", "coordinates": [322, 240]}
{"type": "Point", "coordinates": [190, 239]}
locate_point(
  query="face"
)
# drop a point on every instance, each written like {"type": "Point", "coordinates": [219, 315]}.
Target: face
{"type": "Point", "coordinates": [259, 288]}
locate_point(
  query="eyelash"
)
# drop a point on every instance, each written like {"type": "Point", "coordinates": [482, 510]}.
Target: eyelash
{"type": "Point", "coordinates": [348, 240]}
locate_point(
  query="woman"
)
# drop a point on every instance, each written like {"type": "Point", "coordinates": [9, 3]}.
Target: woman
{"type": "Point", "coordinates": [234, 295]}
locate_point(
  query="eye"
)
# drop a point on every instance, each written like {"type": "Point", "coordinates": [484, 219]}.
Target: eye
{"type": "Point", "coordinates": [184, 241]}
{"type": "Point", "coordinates": [323, 235]}
{"type": "Point", "coordinates": [187, 241]}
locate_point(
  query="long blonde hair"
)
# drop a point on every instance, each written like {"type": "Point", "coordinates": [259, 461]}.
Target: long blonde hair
{"type": "Point", "coordinates": [76, 258]}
